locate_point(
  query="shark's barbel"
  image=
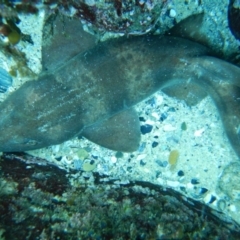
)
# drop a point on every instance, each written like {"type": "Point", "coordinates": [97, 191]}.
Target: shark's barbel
{"type": "Point", "coordinates": [93, 93]}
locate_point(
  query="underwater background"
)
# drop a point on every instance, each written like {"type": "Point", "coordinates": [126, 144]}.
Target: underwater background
{"type": "Point", "coordinates": [182, 182]}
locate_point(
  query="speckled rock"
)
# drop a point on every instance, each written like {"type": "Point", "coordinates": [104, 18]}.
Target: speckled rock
{"type": "Point", "coordinates": [229, 181]}
{"type": "Point", "coordinates": [147, 128]}
{"type": "Point", "coordinates": [44, 204]}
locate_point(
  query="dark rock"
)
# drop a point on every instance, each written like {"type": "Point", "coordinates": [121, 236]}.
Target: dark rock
{"type": "Point", "coordinates": [163, 117]}
{"type": "Point", "coordinates": [194, 181]}
{"type": "Point", "coordinates": [142, 163]}
{"type": "Point", "coordinates": [151, 101]}
{"type": "Point", "coordinates": [58, 158]}
{"type": "Point", "coordinates": [180, 173]}
{"type": "Point", "coordinates": [147, 128]}
{"type": "Point", "coordinates": [129, 169]}
{"type": "Point", "coordinates": [171, 109]}
{"type": "Point", "coordinates": [119, 154]}
{"type": "Point", "coordinates": [161, 163]}
{"type": "Point", "coordinates": [142, 119]}
{"type": "Point", "coordinates": [203, 190]}
{"type": "Point", "coordinates": [213, 198]}
{"type": "Point", "coordinates": [154, 144]}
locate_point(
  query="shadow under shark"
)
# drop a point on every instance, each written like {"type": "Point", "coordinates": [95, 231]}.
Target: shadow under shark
{"type": "Point", "coordinates": [93, 93]}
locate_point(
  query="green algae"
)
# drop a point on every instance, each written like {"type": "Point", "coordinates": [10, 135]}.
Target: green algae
{"type": "Point", "coordinates": [89, 166]}
{"type": "Point", "coordinates": [82, 154]}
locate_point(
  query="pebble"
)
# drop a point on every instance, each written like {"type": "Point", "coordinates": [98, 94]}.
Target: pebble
{"type": "Point", "coordinates": [89, 166]}
{"type": "Point", "coordinates": [173, 184]}
{"type": "Point", "coordinates": [82, 154]}
{"type": "Point", "coordinates": [180, 173]}
{"type": "Point", "coordinates": [198, 133]}
{"type": "Point", "coordinates": [142, 119]}
{"type": "Point", "coordinates": [232, 208]}
{"type": "Point", "coordinates": [58, 158]}
{"type": "Point", "coordinates": [154, 144]}
{"type": "Point", "coordinates": [171, 109]}
{"type": "Point", "coordinates": [161, 163]}
{"type": "Point", "coordinates": [66, 161]}
{"type": "Point", "coordinates": [165, 163]}
{"type": "Point", "coordinates": [212, 199]}
{"type": "Point", "coordinates": [163, 117]}
{"type": "Point", "coordinates": [221, 204]}
{"type": "Point", "coordinates": [55, 148]}
{"type": "Point", "coordinates": [155, 115]}
{"type": "Point", "coordinates": [142, 163]}
{"type": "Point", "coordinates": [141, 156]}
{"type": "Point", "coordinates": [203, 190]}
{"type": "Point", "coordinates": [119, 155]}
{"type": "Point", "coordinates": [209, 198]}
{"type": "Point", "coordinates": [184, 126]}
{"type": "Point", "coordinates": [173, 157]}
{"type": "Point", "coordinates": [147, 128]}
{"type": "Point", "coordinates": [113, 159]}
{"type": "Point", "coordinates": [168, 128]}
{"type": "Point", "coordinates": [194, 181]}
{"type": "Point", "coordinates": [151, 101]}
{"type": "Point", "coordinates": [142, 147]}
{"type": "Point", "coordinates": [77, 164]}
{"type": "Point", "coordinates": [200, 192]}
{"type": "Point", "coordinates": [172, 13]}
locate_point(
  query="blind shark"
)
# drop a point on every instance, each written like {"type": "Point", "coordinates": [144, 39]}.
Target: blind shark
{"type": "Point", "coordinates": [93, 94]}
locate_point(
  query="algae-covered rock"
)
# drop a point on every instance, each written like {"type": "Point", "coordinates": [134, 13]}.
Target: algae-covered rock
{"type": "Point", "coordinates": [46, 205]}
{"type": "Point", "coordinates": [229, 181]}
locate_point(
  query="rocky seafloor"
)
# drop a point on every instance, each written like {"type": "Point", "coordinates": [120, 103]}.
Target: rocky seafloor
{"type": "Point", "coordinates": [39, 202]}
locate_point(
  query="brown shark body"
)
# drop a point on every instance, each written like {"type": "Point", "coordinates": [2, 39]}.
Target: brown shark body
{"type": "Point", "coordinates": [93, 93]}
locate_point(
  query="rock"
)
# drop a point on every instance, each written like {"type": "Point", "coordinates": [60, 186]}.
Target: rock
{"type": "Point", "coordinates": [147, 128]}
{"type": "Point", "coordinates": [229, 181]}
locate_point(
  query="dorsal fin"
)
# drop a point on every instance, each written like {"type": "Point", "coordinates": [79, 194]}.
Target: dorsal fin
{"type": "Point", "coordinates": [63, 38]}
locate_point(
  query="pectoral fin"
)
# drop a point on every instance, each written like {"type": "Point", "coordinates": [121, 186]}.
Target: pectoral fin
{"type": "Point", "coordinates": [121, 132]}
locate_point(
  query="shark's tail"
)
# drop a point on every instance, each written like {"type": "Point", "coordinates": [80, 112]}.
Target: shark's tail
{"type": "Point", "coordinates": [222, 81]}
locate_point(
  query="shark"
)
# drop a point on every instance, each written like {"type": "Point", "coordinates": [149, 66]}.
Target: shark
{"type": "Point", "coordinates": [92, 91]}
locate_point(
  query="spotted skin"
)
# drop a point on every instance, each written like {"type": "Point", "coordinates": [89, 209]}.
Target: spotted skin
{"type": "Point", "coordinates": [112, 77]}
